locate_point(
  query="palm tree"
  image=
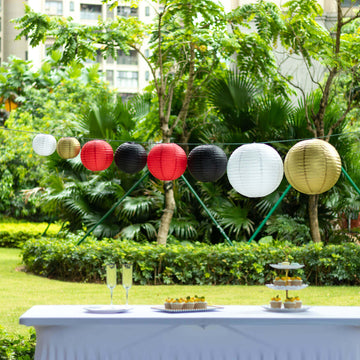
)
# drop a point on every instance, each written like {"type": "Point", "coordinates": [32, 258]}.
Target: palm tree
{"type": "Point", "coordinates": [82, 198]}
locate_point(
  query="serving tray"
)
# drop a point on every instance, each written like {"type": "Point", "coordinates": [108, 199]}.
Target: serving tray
{"type": "Point", "coordinates": [284, 310]}
{"type": "Point", "coordinates": [209, 308]}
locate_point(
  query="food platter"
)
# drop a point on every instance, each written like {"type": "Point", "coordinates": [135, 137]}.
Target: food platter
{"type": "Point", "coordinates": [292, 266]}
{"type": "Point", "coordinates": [286, 287]}
{"type": "Point", "coordinates": [284, 310]}
{"type": "Point", "coordinates": [209, 308]}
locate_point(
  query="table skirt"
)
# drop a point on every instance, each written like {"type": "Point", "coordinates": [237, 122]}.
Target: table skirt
{"type": "Point", "coordinates": [198, 342]}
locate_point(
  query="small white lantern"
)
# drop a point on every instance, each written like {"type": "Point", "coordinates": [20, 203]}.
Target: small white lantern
{"type": "Point", "coordinates": [255, 170]}
{"type": "Point", "coordinates": [44, 144]}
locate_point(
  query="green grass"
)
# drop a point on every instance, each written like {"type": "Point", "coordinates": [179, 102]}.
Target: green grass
{"type": "Point", "coordinates": [19, 291]}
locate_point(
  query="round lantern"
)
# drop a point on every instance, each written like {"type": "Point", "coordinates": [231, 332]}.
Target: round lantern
{"type": "Point", "coordinates": [207, 163]}
{"type": "Point", "coordinates": [130, 157]}
{"type": "Point", "coordinates": [44, 144]}
{"type": "Point", "coordinates": [312, 166]}
{"type": "Point", "coordinates": [97, 155]}
{"type": "Point", "coordinates": [255, 170]}
{"type": "Point", "coordinates": [68, 147]}
{"type": "Point", "coordinates": [167, 161]}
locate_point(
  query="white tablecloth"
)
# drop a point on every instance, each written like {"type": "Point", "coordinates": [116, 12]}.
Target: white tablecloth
{"type": "Point", "coordinates": [233, 333]}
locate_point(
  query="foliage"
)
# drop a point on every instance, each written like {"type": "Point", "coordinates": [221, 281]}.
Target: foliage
{"type": "Point", "coordinates": [51, 107]}
{"type": "Point", "coordinates": [197, 264]}
{"type": "Point", "coordinates": [17, 346]}
{"type": "Point", "coordinates": [288, 228]}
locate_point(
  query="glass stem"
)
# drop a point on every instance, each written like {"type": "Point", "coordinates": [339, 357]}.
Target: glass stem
{"type": "Point", "coordinates": [127, 296]}
{"type": "Point", "coordinates": [111, 295]}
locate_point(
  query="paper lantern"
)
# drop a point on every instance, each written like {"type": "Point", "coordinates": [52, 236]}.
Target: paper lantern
{"type": "Point", "coordinates": [44, 144]}
{"type": "Point", "coordinates": [207, 163]}
{"type": "Point", "coordinates": [312, 166]}
{"type": "Point", "coordinates": [167, 161]}
{"type": "Point", "coordinates": [97, 155]}
{"type": "Point", "coordinates": [68, 147]}
{"type": "Point", "coordinates": [255, 170]}
{"type": "Point", "coordinates": [130, 157]}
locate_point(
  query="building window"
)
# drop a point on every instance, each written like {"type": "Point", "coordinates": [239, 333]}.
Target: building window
{"type": "Point", "coordinates": [123, 59]}
{"type": "Point", "coordinates": [127, 11]}
{"type": "Point", "coordinates": [109, 13]}
{"type": "Point", "coordinates": [53, 7]}
{"type": "Point", "coordinates": [110, 77]}
{"type": "Point", "coordinates": [147, 75]}
{"type": "Point", "coordinates": [72, 6]}
{"type": "Point", "coordinates": [349, 3]}
{"type": "Point", "coordinates": [147, 10]}
{"type": "Point", "coordinates": [26, 55]}
{"type": "Point", "coordinates": [98, 58]}
{"type": "Point", "coordinates": [127, 79]}
{"type": "Point", "coordinates": [147, 53]}
{"type": "Point", "coordinates": [89, 11]}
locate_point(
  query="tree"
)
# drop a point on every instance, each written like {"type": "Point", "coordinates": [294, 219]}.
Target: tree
{"type": "Point", "coordinates": [51, 98]}
{"type": "Point", "coordinates": [336, 49]}
{"type": "Point", "coordinates": [190, 41]}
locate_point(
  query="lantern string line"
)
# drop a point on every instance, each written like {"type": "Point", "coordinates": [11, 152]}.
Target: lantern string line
{"type": "Point", "coordinates": [152, 142]}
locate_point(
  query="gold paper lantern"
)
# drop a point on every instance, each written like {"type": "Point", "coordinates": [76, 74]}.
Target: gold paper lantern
{"type": "Point", "coordinates": [312, 166]}
{"type": "Point", "coordinates": [68, 147]}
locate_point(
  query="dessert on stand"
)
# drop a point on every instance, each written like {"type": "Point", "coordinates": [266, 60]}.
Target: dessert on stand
{"type": "Point", "coordinates": [286, 283]}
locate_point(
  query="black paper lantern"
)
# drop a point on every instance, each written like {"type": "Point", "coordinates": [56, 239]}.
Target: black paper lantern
{"type": "Point", "coordinates": [130, 157]}
{"type": "Point", "coordinates": [207, 163]}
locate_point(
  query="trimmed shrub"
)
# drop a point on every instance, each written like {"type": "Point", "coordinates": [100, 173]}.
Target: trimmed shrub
{"type": "Point", "coordinates": [13, 235]}
{"type": "Point", "coordinates": [191, 264]}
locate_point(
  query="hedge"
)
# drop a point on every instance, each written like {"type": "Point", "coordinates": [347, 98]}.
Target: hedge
{"type": "Point", "coordinates": [13, 235]}
{"type": "Point", "coordinates": [191, 264]}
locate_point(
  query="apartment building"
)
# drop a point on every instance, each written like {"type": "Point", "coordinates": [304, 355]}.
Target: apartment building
{"type": "Point", "coordinates": [128, 73]}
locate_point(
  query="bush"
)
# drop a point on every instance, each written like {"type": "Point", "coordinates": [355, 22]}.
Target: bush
{"type": "Point", "coordinates": [17, 346]}
{"type": "Point", "coordinates": [191, 264]}
{"type": "Point", "coordinates": [14, 234]}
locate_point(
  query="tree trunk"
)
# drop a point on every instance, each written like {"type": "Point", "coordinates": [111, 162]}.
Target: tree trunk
{"type": "Point", "coordinates": [313, 218]}
{"type": "Point", "coordinates": [167, 214]}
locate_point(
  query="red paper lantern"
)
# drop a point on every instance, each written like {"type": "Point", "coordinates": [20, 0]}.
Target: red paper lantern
{"type": "Point", "coordinates": [167, 161]}
{"type": "Point", "coordinates": [97, 155]}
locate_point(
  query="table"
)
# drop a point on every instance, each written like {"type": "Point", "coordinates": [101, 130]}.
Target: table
{"type": "Point", "coordinates": [67, 332]}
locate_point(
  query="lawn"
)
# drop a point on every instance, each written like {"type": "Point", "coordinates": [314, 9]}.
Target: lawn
{"type": "Point", "coordinates": [19, 291]}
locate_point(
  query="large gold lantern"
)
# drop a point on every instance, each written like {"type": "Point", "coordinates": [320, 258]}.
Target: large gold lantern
{"type": "Point", "coordinates": [312, 166]}
{"type": "Point", "coordinates": [68, 147]}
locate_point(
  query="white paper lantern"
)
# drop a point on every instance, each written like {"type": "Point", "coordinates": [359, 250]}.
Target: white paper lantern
{"type": "Point", "coordinates": [44, 144]}
{"type": "Point", "coordinates": [255, 170]}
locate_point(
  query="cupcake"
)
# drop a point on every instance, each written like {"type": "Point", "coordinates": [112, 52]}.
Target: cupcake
{"type": "Point", "coordinates": [296, 281]}
{"type": "Point", "coordinates": [275, 302]}
{"type": "Point", "coordinates": [279, 282]}
{"type": "Point", "coordinates": [290, 303]}
{"type": "Point", "coordinates": [168, 303]}
{"type": "Point", "coordinates": [177, 304]}
{"type": "Point", "coordinates": [287, 280]}
{"type": "Point", "coordinates": [200, 303]}
{"type": "Point", "coordinates": [189, 303]}
{"type": "Point", "coordinates": [298, 302]}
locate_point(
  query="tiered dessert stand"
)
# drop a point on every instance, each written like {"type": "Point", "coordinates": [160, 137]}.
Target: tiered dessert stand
{"type": "Point", "coordinates": [287, 266]}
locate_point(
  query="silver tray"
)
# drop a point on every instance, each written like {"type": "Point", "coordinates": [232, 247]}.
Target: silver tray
{"type": "Point", "coordinates": [209, 308]}
{"type": "Point", "coordinates": [284, 310]}
{"type": "Point", "coordinates": [286, 287]}
{"type": "Point", "coordinates": [292, 266]}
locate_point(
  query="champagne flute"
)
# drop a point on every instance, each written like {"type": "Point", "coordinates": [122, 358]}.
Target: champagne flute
{"type": "Point", "coordinates": [127, 270]}
{"type": "Point", "coordinates": [111, 279]}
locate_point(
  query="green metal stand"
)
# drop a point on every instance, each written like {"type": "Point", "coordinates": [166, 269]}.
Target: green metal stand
{"type": "Point", "coordinates": [269, 214]}
{"type": "Point", "coordinates": [351, 181]}
{"type": "Point", "coordinates": [207, 210]}
{"type": "Point", "coordinates": [114, 207]}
